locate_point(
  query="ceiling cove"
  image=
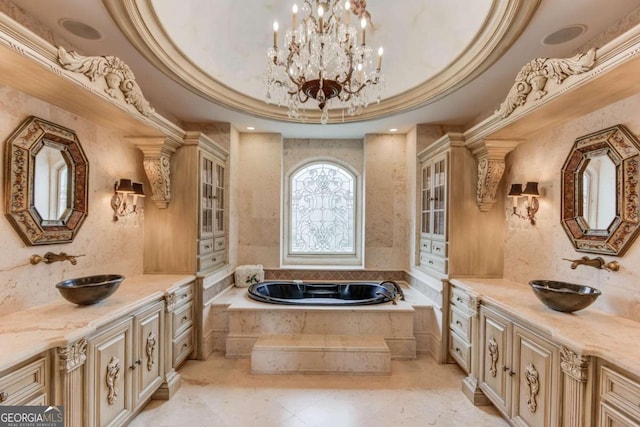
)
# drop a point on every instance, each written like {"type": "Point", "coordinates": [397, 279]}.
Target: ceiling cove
{"type": "Point", "coordinates": [496, 32]}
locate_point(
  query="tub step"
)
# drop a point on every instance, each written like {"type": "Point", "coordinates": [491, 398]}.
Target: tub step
{"type": "Point", "coordinates": [320, 354]}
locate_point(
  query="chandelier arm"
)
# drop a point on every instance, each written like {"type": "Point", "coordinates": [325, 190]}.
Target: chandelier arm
{"type": "Point", "coordinates": [347, 78]}
{"type": "Point", "coordinates": [298, 82]}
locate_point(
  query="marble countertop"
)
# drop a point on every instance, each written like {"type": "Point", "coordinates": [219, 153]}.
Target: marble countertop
{"type": "Point", "coordinates": [26, 333]}
{"type": "Point", "coordinates": [589, 332]}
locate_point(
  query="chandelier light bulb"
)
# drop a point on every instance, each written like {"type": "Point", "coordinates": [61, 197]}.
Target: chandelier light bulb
{"type": "Point", "coordinates": [347, 5]}
{"type": "Point", "coordinates": [380, 52]}
{"type": "Point", "coordinates": [347, 13]}
{"type": "Point", "coordinates": [275, 33]}
{"type": "Point", "coordinates": [320, 11]}
{"type": "Point", "coordinates": [363, 23]}
{"type": "Point", "coordinates": [294, 9]}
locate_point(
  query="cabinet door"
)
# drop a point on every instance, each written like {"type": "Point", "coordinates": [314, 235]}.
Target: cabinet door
{"type": "Point", "coordinates": [426, 195]}
{"type": "Point", "coordinates": [537, 380]}
{"type": "Point", "coordinates": [110, 359]}
{"type": "Point", "coordinates": [149, 352]}
{"type": "Point", "coordinates": [219, 214]}
{"type": "Point", "coordinates": [439, 196]}
{"type": "Point", "coordinates": [495, 355]}
{"type": "Point", "coordinates": [207, 195]}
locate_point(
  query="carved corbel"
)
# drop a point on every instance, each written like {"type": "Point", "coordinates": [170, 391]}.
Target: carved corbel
{"type": "Point", "coordinates": [490, 170]}
{"type": "Point", "coordinates": [157, 165]}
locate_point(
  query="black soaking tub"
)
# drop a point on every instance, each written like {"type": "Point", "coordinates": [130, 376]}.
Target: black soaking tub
{"type": "Point", "coordinates": [301, 293]}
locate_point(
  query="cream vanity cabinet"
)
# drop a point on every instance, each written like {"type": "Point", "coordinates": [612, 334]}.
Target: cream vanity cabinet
{"type": "Point", "coordinates": [26, 384]}
{"type": "Point", "coordinates": [124, 365]}
{"type": "Point", "coordinates": [461, 327]}
{"type": "Point", "coordinates": [519, 371]}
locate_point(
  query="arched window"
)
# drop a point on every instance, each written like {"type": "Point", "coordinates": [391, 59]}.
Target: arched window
{"type": "Point", "coordinates": [323, 211]}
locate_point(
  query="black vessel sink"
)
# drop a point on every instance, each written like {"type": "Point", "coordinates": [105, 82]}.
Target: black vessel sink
{"type": "Point", "coordinates": [562, 296]}
{"type": "Point", "coordinates": [89, 290]}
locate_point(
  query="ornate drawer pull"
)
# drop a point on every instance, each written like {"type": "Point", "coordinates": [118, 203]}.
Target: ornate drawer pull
{"type": "Point", "coordinates": [207, 246]}
{"type": "Point", "coordinates": [184, 318]}
{"type": "Point", "coordinates": [4, 396]}
{"type": "Point", "coordinates": [458, 299]}
{"type": "Point", "coordinates": [458, 350]}
{"type": "Point", "coordinates": [437, 249]}
{"type": "Point", "coordinates": [185, 345]}
{"type": "Point", "coordinates": [430, 262]}
{"type": "Point", "coordinates": [459, 323]}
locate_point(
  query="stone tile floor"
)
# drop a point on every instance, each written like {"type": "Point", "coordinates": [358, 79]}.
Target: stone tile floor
{"type": "Point", "coordinates": [221, 392]}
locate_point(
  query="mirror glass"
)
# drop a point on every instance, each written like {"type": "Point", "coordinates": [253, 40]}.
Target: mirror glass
{"type": "Point", "coordinates": [51, 184]}
{"type": "Point", "coordinates": [47, 180]}
{"type": "Point", "coordinates": [600, 187]}
{"type": "Point", "coordinates": [599, 192]}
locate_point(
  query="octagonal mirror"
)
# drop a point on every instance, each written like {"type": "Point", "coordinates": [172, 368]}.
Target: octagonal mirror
{"type": "Point", "coordinates": [600, 191]}
{"type": "Point", "coordinates": [46, 182]}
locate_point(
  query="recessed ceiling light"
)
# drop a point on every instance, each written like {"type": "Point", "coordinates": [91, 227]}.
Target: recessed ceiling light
{"type": "Point", "coordinates": [393, 130]}
{"type": "Point", "coordinates": [80, 29]}
{"type": "Point", "coordinates": [250, 128]}
{"type": "Point", "coordinates": [564, 35]}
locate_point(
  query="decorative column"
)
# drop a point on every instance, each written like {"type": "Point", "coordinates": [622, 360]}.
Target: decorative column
{"type": "Point", "coordinates": [69, 386]}
{"type": "Point", "coordinates": [172, 379]}
{"type": "Point", "coordinates": [575, 369]}
{"type": "Point", "coordinates": [470, 383]}
{"type": "Point", "coordinates": [491, 166]}
{"type": "Point", "coordinates": [157, 165]}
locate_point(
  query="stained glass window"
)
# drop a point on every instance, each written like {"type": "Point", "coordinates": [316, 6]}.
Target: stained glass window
{"type": "Point", "coordinates": [322, 215]}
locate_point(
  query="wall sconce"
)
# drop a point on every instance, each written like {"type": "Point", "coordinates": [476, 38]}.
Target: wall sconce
{"type": "Point", "coordinates": [531, 193]}
{"type": "Point", "coordinates": [122, 189]}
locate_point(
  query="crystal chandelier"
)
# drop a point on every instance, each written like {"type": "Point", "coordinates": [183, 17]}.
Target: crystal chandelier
{"type": "Point", "coordinates": [324, 58]}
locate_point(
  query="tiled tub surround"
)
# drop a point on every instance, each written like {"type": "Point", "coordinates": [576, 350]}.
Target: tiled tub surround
{"type": "Point", "coordinates": [238, 321]}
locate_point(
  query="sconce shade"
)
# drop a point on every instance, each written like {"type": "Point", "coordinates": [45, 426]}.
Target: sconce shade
{"type": "Point", "coordinates": [516, 190]}
{"type": "Point", "coordinates": [124, 186]}
{"type": "Point", "coordinates": [531, 189]}
{"type": "Point", "coordinates": [138, 189]}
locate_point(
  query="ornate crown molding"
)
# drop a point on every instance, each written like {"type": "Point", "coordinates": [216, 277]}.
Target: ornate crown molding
{"type": "Point", "coordinates": [533, 77]}
{"type": "Point", "coordinates": [117, 75]}
{"type": "Point", "coordinates": [72, 356]}
{"type": "Point", "coordinates": [574, 365]}
{"type": "Point", "coordinates": [504, 23]}
{"type": "Point", "coordinates": [157, 165]}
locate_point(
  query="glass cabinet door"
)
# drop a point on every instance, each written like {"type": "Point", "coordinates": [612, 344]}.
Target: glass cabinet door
{"type": "Point", "coordinates": [219, 199]}
{"type": "Point", "coordinates": [207, 194]}
{"type": "Point", "coordinates": [439, 197]}
{"type": "Point", "coordinates": [433, 208]}
{"type": "Point", "coordinates": [426, 199]}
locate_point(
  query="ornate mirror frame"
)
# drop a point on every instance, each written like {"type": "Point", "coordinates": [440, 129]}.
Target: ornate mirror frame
{"type": "Point", "coordinates": [21, 150]}
{"type": "Point", "coordinates": [624, 151]}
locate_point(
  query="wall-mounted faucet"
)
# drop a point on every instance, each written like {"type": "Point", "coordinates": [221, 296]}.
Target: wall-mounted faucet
{"type": "Point", "coordinates": [598, 263]}
{"type": "Point", "coordinates": [50, 257]}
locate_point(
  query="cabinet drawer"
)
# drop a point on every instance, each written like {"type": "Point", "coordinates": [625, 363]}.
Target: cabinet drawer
{"type": "Point", "coordinates": [425, 245]}
{"type": "Point", "coordinates": [182, 347]}
{"type": "Point", "coordinates": [459, 298]}
{"type": "Point", "coordinates": [218, 243]}
{"type": "Point", "coordinates": [439, 248]}
{"type": "Point", "coordinates": [460, 350]}
{"type": "Point", "coordinates": [620, 391]}
{"type": "Point", "coordinates": [461, 323]}
{"type": "Point", "coordinates": [182, 319]}
{"type": "Point", "coordinates": [610, 417]}
{"type": "Point", "coordinates": [209, 261]}
{"type": "Point", "coordinates": [19, 386]}
{"type": "Point", "coordinates": [434, 262]}
{"type": "Point", "coordinates": [184, 295]}
{"type": "Point", "coordinates": [205, 246]}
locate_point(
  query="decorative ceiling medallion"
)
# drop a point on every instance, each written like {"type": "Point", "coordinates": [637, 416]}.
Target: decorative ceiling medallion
{"type": "Point", "coordinates": [503, 25]}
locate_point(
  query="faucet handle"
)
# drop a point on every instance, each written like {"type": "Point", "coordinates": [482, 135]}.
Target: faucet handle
{"type": "Point", "coordinates": [611, 266]}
